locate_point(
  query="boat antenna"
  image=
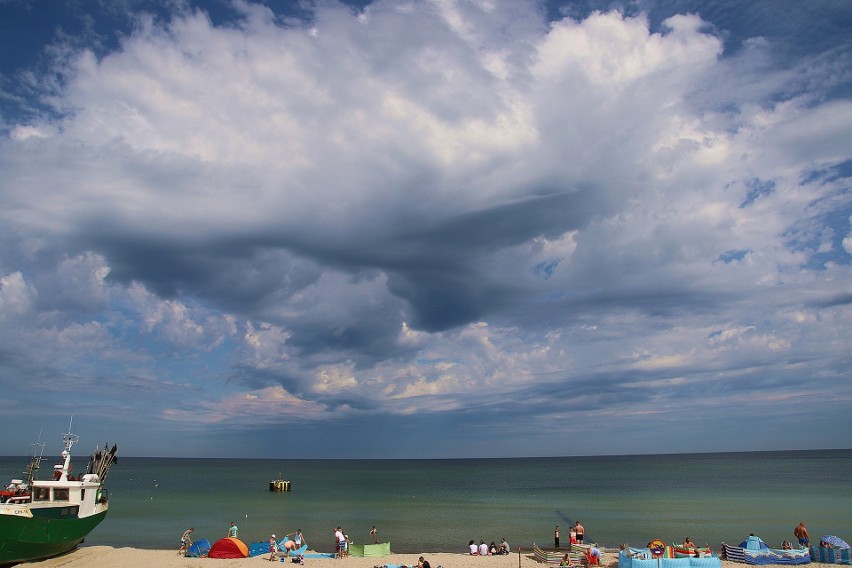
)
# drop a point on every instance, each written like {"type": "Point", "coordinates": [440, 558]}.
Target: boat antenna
{"type": "Point", "coordinates": [31, 471]}
{"type": "Point", "coordinates": [68, 438]}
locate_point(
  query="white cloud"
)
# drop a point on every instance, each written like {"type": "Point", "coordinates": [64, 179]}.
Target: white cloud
{"type": "Point", "coordinates": [387, 210]}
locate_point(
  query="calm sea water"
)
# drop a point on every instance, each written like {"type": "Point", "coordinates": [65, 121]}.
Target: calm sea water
{"type": "Point", "coordinates": [440, 505]}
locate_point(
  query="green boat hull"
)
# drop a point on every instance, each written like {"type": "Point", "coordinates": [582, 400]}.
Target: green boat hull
{"type": "Point", "coordinates": [23, 539]}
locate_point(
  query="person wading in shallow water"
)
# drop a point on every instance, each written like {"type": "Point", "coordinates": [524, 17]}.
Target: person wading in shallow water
{"type": "Point", "coordinates": [581, 532]}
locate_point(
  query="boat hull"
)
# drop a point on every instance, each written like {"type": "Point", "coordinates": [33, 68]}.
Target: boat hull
{"type": "Point", "coordinates": [24, 538]}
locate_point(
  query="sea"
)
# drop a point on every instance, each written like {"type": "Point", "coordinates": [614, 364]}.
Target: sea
{"type": "Point", "coordinates": [441, 505]}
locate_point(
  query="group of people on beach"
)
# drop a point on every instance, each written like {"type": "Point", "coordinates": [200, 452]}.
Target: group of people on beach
{"type": "Point", "coordinates": [233, 530]}
{"type": "Point", "coordinates": [576, 535]}
{"type": "Point", "coordinates": [290, 545]}
{"type": "Point", "coordinates": [341, 542]}
{"type": "Point", "coordinates": [493, 549]}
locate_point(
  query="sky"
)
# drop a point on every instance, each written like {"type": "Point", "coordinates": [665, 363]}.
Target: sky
{"type": "Point", "coordinates": [426, 228]}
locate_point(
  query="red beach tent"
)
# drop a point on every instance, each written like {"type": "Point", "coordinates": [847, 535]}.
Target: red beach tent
{"type": "Point", "coordinates": [228, 547]}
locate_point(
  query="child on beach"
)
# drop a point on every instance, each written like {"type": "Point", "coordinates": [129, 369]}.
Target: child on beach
{"type": "Point", "coordinates": [185, 541]}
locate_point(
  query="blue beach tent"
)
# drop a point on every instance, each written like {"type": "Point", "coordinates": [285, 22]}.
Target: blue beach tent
{"type": "Point", "coordinates": [753, 543]}
{"type": "Point", "coordinates": [198, 549]}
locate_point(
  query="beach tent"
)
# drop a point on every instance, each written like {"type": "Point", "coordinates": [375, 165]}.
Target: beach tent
{"type": "Point", "coordinates": [379, 549]}
{"type": "Point", "coordinates": [753, 543]}
{"type": "Point", "coordinates": [198, 549]}
{"type": "Point", "coordinates": [228, 547]}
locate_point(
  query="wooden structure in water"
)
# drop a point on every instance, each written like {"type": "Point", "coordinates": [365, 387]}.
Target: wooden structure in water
{"type": "Point", "coordinates": [279, 485]}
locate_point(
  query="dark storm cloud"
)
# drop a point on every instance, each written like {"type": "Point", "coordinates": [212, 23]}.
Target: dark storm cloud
{"type": "Point", "coordinates": [416, 227]}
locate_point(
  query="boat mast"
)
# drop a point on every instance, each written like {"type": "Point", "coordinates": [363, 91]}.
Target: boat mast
{"type": "Point", "coordinates": [68, 440]}
{"type": "Point", "coordinates": [31, 471]}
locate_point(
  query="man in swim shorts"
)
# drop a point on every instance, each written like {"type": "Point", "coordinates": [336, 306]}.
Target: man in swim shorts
{"type": "Point", "coordinates": [801, 533]}
{"type": "Point", "coordinates": [185, 541]}
{"type": "Point", "coordinates": [578, 528]}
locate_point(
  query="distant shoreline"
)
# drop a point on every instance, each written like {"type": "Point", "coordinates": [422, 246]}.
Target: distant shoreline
{"type": "Point", "coordinates": [474, 458]}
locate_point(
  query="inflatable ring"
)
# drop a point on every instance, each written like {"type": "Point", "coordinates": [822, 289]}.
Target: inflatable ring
{"type": "Point", "coordinates": [657, 548]}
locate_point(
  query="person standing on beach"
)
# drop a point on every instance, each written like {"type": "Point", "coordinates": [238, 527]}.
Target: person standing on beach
{"type": "Point", "coordinates": [340, 541]}
{"type": "Point", "coordinates": [581, 532]}
{"type": "Point", "coordinates": [297, 538]}
{"type": "Point", "coordinates": [232, 530]}
{"type": "Point", "coordinates": [801, 533]}
{"type": "Point", "coordinates": [556, 537]}
{"type": "Point", "coordinates": [572, 535]}
{"type": "Point", "coordinates": [273, 547]}
{"type": "Point", "coordinates": [185, 541]}
{"type": "Point", "coordinates": [373, 535]}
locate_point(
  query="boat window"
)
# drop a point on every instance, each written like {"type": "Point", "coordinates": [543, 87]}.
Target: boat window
{"type": "Point", "coordinates": [60, 494]}
{"type": "Point", "coordinates": [83, 494]}
{"type": "Point", "coordinates": [41, 494]}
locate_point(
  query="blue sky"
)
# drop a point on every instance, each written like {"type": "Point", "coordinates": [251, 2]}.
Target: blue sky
{"type": "Point", "coordinates": [427, 228]}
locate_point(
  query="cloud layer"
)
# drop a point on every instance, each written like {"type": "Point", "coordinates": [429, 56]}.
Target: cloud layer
{"type": "Point", "coordinates": [432, 229]}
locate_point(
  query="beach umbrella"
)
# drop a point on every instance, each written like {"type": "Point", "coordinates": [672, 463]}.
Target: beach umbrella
{"type": "Point", "coordinates": [834, 541]}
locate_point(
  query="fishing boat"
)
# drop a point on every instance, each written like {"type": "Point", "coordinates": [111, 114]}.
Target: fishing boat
{"type": "Point", "coordinates": [44, 518]}
{"type": "Point", "coordinates": [754, 551]}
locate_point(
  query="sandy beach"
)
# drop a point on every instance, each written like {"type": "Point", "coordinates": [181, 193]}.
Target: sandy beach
{"type": "Point", "coordinates": [109, 557]}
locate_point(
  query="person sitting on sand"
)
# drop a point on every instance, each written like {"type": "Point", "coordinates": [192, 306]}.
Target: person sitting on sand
{"type": "Point", "coordinates": [566, 561]}
{"type": "Point", "coordinates": [483, 548]}
{"type": "Point", "coordinates": [422, 563]}
{"type": "Point", "coordinates": [504, 547]}
{"type": "Point", "coordinates": [786, 545]}
{"type": "Point", "coordinates": [492, 549]}
{"type": "Point", "coordinates": [474, 550]}
{"type": "Point", "coordinates": [689, 544]}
